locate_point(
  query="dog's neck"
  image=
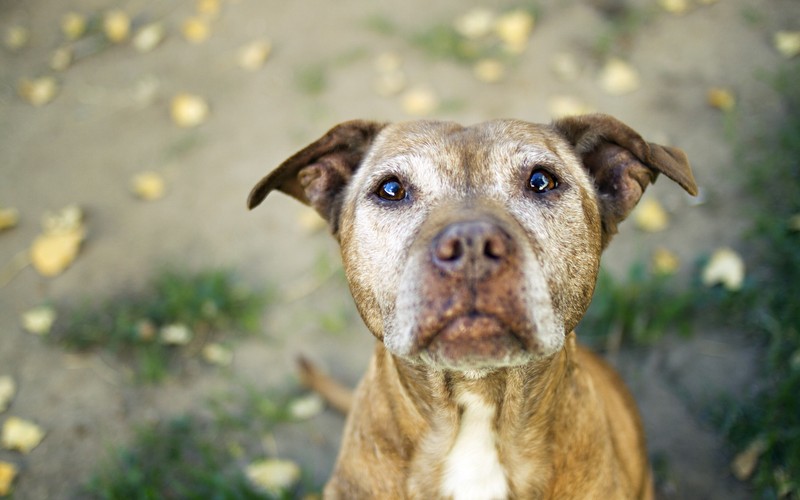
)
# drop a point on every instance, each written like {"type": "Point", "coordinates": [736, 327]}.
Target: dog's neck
{"type": "Point", "coordinates": [474, 431]}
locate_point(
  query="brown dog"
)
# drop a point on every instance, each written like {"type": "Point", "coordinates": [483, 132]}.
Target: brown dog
{"type": "Point", "coordinates": [472, 253]}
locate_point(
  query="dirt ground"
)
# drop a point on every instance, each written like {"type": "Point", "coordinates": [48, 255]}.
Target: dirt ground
{"type": "Point", "coordinates": [110, 121]}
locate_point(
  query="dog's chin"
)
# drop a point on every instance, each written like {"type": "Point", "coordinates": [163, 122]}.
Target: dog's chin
{"type": "Point", "coordinates": [475, 344]}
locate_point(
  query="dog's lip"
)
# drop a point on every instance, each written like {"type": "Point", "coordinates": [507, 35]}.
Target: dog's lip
{"type": "Point", "coordinates": [458, 322]}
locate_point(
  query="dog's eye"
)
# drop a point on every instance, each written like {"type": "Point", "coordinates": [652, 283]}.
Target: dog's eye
{"type": "Point", "coordinates": [391, 190]}
{"type": "Point", "coordinates": [542, 181]}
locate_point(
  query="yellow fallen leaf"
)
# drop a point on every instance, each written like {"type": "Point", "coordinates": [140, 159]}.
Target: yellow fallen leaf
{"type": "Point", "coordinates": [149, 186]}
{"type": "Point", "coordinates": [38, 91]}
{"type": "Point", "coordinates": [273, 475]}
{"type": "Point", "coordinates": [489, 70]}
{"type": "Point", "coordinates": [787, 43]}
{"type": "Point", "coordinates": [565, 105]}
{"type": "Point", "coordinates": [39, 320]}
{"type": "Point", "coordinates": [68, 219]}
{"type": "Point", "coordinates": [73, 25]}
{"type": "Point", "coordinates": [188, 110]}
{"type": "Point", "coordinates": [16, 37]}
{"type": "Point", "coordinates": [217, 354]}
{"type": "Point", "coordinates": [744, 464]}
{"type": "Point", "coordinates": [208, 8]}
{"type": "Point", "coordinates": [8, 472]}
{"type": "Point", "coordinates": [306, 407]}
{"type": "Point", "coordinates": [566, 67]}
{"type": "Point", "coordinates": [61, 58]}
{"type": "Point", "coordinates": [21, 435]}
{"type": "Point", "coordinates": [650, 216]}
{"type": "Point", "coordinates": [420, 101]}
{"type": "Point", "coordinates": [196, 30]}
{"type": "Point", "coordinates": [253, 55]}
{"type": "Point", "coordinates": [117, 25]}
{"type": "Point", "coordinates": [794, 223]}
{"type": "Point", "coordinates": [619, 78]}
{"type": "Point", "coordinates": [175, 334]}
{"type": "Point", "coordinates": [52, 253]}
{"type": "Point", "coordinates": [514, 28]}
{"type": "Point", "coordinates": [149, 37]}
{"type": "Point", "coordinates": [476, 23]}
{"type": "Point", "coordinates": [721, 98]}
{"type": "Point", "coordinates": [8, 388]}
{"type": "Point", "coordinates": [725, 267]}
{"type": "Point", "coordinates": [388, 84]}
{"type": "Point", "coordinates": [665, 262]}
{"type": "Point", "coordinates": [311, 221]}
{"type": "Point", "coordinates": [674, 6]}
{"type": "Point", "coordinates": [9, 217]}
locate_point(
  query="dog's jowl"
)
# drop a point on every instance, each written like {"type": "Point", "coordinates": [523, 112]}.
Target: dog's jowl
{"type": "Point", "coordinates": [472, 253]}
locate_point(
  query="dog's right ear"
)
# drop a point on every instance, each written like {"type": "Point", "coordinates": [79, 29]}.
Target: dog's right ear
{"type": "Point", "coordinates": [316, 174]}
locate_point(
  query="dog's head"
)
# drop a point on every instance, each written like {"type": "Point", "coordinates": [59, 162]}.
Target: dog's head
{"type": "Point", "coordinates": [474, 247]}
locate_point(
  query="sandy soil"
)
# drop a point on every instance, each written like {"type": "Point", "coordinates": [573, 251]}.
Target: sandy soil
{"type": "Point", "coordinates": [102, 128]}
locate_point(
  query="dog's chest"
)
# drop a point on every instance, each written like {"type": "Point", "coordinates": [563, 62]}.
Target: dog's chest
{"type": "Point", "coordinates": [472, 468]}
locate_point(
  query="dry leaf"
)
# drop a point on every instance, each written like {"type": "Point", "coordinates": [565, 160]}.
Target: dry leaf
{"type": "Point", "coordinates": [9, 217]}
{"type": "Point", "coordinates": [38, 91]}
{"type": "Point", "coordinates": [489, 70]}
{"type": "Point", "coordinates": [306, 407]}
{"type": "Point", "coordinates": [117, 26]}
{"type": "Point", "coordinates": [208, 8]}
{"type": "Point", "coordinates": [420, 101]}
{"type": "Point", "coordinates": [476, 23]}
{"type": "Point", "coordinates": [39, 320]}
{"type": "Point", "coordinates": [514, 28]}
{"type": "Point", "coordinates": [196, 30]}
{"type": "Point", "coordinates": [188, 110]}
{"type": "Point", "coordinates": [146, 330]}
{"type": "Point", "coordinates": [61, 58]}
{"type": "Point", "coordinates": [725, 267]}
{"type": "Point", "coordinates": [794, 223]}
{"type": "Point", "coordinates": [8, 472]}
{"type": "Point", "coordinates": [721, 98]}
{"type": "Point", "coordinates": [566, 67]}
{"type": "Point", "coordinates": [787, 43]}
{"type": "Point", "coordinates": [745, 462]}
{"type": "Point", "coordinates": [52, 253]}
{"type": "Point", "coordinates": [565, 105]}
{"type": "Point", "coordinates": [148, 186]}
{"type": "Point", "coordinates": [650, 216]}
{"type": "Point", "coordinates": [217, 354]}
{"type": "Point", "coordinates": [16, 37]}
{"type": "Point", "coordinates": [149, 37]}
{"type": "Point", "coordinates": [273, 475]}
{"type": "Point", "coordinates": [21, 435]}
{"type": "Point", "coordinates": [619, 78]}
{"type": "Point", "coordinates": [665, 262]}
{"type": "Point", "coordinates": [67, 219]}
{"type": "Point", "coordinates": [8, 388]}
{"type": "Point", "coordinates": [175, 334]}
{"type": "Point", "coordinates": [674, 6]}
{"type": "Point", "coordinates": [73, 25]}
{"type": "Point", "coordinates": [311, 221]}
{"type": "Point", "coordinates": [253, 55]}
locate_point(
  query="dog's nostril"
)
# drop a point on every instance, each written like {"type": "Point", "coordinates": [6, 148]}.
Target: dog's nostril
{"type": "Point", "coordinates": [450, 250]}
{"type": "Point", "coordinates": [494, 248]}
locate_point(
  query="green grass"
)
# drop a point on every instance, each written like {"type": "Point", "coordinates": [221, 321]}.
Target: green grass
{"type": "Point", "coordinates": [770, 305]}
{"type": "Point", "coordinates": [207, 303]}
{"type": "Point", "coordinates": [637, 310]}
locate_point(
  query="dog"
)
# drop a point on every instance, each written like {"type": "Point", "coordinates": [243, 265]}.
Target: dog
{"type": "Point", "coordinates": [472, 253]}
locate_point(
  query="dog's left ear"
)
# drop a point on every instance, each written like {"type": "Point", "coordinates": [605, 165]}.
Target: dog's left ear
{"type": "Point", "coordinates": [621, 163]}
{"type": "Point", "coordinates": [317, 174]}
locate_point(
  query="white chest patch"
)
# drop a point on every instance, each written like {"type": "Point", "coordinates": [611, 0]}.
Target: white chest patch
{"type": "Point", "coordinates": [472, 467]}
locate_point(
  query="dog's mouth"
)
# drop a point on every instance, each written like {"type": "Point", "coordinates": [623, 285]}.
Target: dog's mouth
{"type": "Point", "coordinates": [475, 341]}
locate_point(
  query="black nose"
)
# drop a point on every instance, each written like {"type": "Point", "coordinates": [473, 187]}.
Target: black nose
{"type": "Point", "coordinates": [472, 249]}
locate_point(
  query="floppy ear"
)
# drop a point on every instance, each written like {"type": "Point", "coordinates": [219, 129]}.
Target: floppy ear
{"type": "Point", "coordinates": [317, 174]}
{"type": "Point", "coordinates": [621, 163]}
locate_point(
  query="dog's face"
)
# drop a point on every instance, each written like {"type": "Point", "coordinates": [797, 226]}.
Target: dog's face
{"type": "Point", "coordinates": [474, 248]}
